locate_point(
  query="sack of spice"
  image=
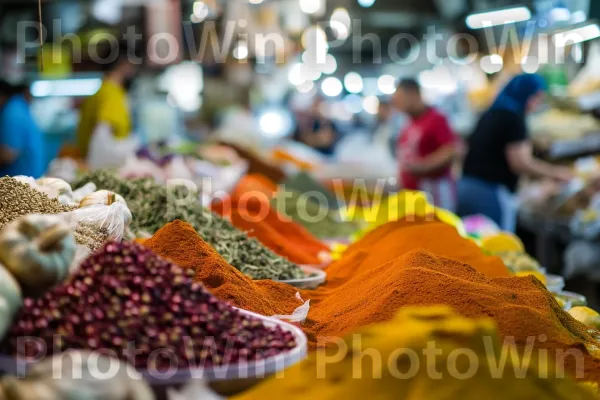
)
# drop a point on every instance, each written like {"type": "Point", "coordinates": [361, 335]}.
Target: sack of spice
{"type": "Point", "coordinates": [113, 219]}
{"type": "Point", "coordinates": [103, 212]}
{"type": "Point", "coordinates": [20, 199]}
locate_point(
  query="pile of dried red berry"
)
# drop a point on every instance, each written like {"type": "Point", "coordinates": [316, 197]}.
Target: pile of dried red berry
{"type": "Point", "coordinates": [126, 300]}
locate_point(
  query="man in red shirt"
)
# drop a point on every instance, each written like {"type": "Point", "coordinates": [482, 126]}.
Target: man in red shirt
{"type": "Point", "coordinates": [426, 148]}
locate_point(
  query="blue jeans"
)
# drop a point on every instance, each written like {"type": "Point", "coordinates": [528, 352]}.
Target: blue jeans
{"type": "Point", "coordinates": [495, 201]}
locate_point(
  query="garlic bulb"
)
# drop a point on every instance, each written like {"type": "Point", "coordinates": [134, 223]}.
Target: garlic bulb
{"type": "Point", "coordinates": [27, 180]}
{"type": "Point", "coordinates": [83, 376]}
{"type": "Point", "coordinates": [101, 197]}
{"type": "Point", "coordinates": [38, 251]}
{"type": "Point", "coordinates": [55, 186]}
{"type": "Point", "coordinates": [11, 300]}
{"type": "Point", "coordinates": [84, 191]}
{"type": "Point", "coordinates": [113, 219]}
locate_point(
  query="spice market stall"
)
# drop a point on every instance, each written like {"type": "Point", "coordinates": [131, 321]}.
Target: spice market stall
{"type": "Point", "coordinates": [210, 287]}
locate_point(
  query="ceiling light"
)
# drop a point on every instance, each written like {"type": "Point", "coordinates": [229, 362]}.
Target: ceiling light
{"type": "Point", "coordinates": [201, 9]}
{"type": "Point", "coordinates": [578, 17]}
{"type": "Point", "coordinates": [306, 87]}
{"type": "Point", "coordinates": [273, 124]}
{"type": "Point", "coordinates": [366, 3]}
{"type": "Point", "coordinates": [295, 75]}
{"type": "Point", "coordinates": [353, 82]}
{"type": "Point", "coordinates": [312, 73]}
{"type": "Point", "coordinates": [340, 23]}
{"type": "Point", "coordinates": [560, 14]}
{"type": "Point", "coordinates": [310, 6]}
{"type": "Point", "coordinates": [332, 87]}
{"type": "Point", "coordinates": [499, 17]}
{"type": "Point", "coordinates": [492, 64]}
{"type": "Point", "coordinates": [314, 37]}
{"type": "Point", "coordinates": [577, 35]}
{"type": "Point", "coordinates": [371, 104]}
{"type": "Point", "coordinates": [241, 51]}
{"type": "Point", "coordinates": [386, 84]}
{"type": "Point", "coordinates": [66, 87]}
{"type": "Point", "coordinates": [330, 64]}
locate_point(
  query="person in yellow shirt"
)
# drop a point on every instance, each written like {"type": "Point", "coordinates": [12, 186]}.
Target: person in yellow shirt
{"type": "Point", "coordinates": [108, 108]}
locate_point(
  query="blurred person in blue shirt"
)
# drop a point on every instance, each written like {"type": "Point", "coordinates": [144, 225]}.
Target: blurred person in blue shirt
{"type": "Point", "coordinates": [21, 142]}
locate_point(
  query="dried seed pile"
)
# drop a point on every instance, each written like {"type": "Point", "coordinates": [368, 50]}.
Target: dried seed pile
{"type": "Point", "coordinates": [153, 207]}
{"type": "Point", "coordinates": [19, 199]}
{"type": "Point", "coordinates": [124, 295]}
{"type": "Point", "coordinates": [89, 236]}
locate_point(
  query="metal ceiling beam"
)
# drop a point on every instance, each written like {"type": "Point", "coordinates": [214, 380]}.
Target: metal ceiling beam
{"type": "Point", "coordinates": [393, 19]}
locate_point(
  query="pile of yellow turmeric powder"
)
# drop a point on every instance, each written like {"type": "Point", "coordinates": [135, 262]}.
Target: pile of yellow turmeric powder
{"type": "Point", "coordinates": [422, 354]}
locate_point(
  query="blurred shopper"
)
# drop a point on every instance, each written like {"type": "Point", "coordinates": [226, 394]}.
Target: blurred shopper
{"type": "Point", "coordinates": [108, 109]}
{"type": "Point", "coordinates": [427, 147]}
{"type": "Point", "coordinates": [21, 140]}
{"type": "Point", "coordinates": [317, 131]}
{"type": "Point", "coordinates": [383, 130]}
{"type": "Point", "coordinates": [500, 151]}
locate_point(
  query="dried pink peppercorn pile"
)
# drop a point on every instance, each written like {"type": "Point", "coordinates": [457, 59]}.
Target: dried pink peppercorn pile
{"type": "Point", "coordinates": [125, 295]}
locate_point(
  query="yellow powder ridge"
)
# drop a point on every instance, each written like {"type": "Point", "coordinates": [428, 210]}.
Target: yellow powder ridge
{"type": "Point", "coordinates": [390, 361]}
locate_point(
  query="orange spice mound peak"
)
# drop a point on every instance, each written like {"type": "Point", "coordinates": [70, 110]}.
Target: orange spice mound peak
{"type": "Point", "coordinates": [181, 244]}
{"type": "Point", "coordinates": [521, 307]}
{"type": "Point", "coordinates": [394, 239]}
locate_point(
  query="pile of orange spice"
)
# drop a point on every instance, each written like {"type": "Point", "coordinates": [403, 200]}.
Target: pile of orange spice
{"type": "Point", "coordinates": [396, 238]}
{"type": "Point", "coordinates": [249, 210]}
{"type": "Point", "coordinates": [521, 307]}
{"type": "Point", "coordinates": [180, 243]}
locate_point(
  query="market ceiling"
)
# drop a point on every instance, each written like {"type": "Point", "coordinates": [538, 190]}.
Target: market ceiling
{"type": "Point", "coordinates": [387, 18]}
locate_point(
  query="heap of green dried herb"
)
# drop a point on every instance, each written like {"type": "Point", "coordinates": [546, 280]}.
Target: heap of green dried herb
{"type": "Point", "coordinates": [304, 183]}
{"type": "Point", "coordinates": [153, 206]}
{"type": "Point", "coordinates": [305, 211]}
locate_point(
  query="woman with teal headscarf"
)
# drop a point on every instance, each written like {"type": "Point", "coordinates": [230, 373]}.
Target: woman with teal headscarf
{"type": "Point", "coordinates": [500, 152]}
